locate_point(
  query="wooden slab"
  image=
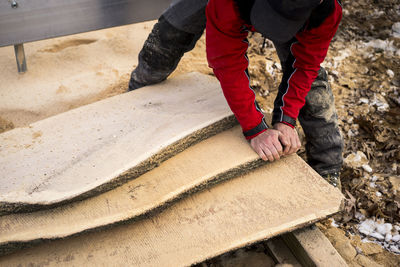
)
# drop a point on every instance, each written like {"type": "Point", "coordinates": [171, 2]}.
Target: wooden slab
{"type": "Point", "coordinates": [281, 253]}
{"type": "Point", "coordinates": [268, 201]}
{"type": "Point", "coordinates": [99, 146]}
{"type": "Point", "coordinates": [312, 248]}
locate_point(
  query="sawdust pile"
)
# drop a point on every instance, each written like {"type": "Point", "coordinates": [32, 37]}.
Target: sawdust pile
{"type": "Point", "coordinates": [5, 125]}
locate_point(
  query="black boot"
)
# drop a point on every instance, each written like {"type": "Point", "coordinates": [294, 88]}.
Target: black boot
{"type": "Point", "coordinates": [161, 54]}
{"type": "Point", "coordinates": [334, 179]}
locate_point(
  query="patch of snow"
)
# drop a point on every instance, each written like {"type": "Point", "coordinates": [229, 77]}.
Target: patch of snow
{"type": "Point", "coordinates": [367, 227]}
{"type": "Point", "coordinates": [377, 236]}
{"type": "Point", "coordinates": [363, 100]}
{"type": "Point", "coordinates": [384, 229]}
{"type": "Point", "coordinates": [359, 216]}
{"type": "Point", "coordinates": [396, 238]}
{"type": "Point", "coordinates": [390, 73]}
{"type": "Point", "coordinates": [378, 13]}
{"type": "Point", "coordinates": [378, 194]}
{"type": "Point", "coordinates": [356, 160]}
{"type": "Point", "coordinates": [394, 249]}
{"type": "Point", "coordinates": [367, 168]}
{"type": "Point", "coordinates": [343, 55]}
{"type": "Point", "coordinates": [396, 29]}
{"type": "Point", "coordinates": [336, 73]}
{"type": "Point", "coordinates": [350, 133]}
{"type": "Point", "coordinates": [271, 67]}
{"type": "Point", "coordinates": [358, 156]}
{"type": "Point", "coordinates": [278, 66]}
{"type": "Point", "coordinates": [380, 102]}
{"type": "Point", "coordinates": [334, 224]}
{"type": "Point", "coordinates": [382, 234]}
{"type": "Point", "coordinates": [384, 45]}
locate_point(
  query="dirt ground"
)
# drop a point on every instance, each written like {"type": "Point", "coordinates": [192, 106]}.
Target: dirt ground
{"type": "Point", "coordinates": [364, 71]}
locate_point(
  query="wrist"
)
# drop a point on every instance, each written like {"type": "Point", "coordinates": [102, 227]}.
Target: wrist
{"type": "Point", "coordinates": [260, 128]}
{"type": "Point", "coordinates": [284, 119]}
{"type": "Point", "coordinates": [285, 123]}
{"type": "Point", "coordinates": [249, 138]}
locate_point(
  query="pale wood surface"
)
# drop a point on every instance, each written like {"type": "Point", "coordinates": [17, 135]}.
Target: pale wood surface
{"type": "Point", "coordinates": [268, 201]}
{"type": "Point", "coordinates": [281, 253]}
{"type": "Point", "coordinates": [313, 248]}
{"type": "Point", "coordinates": [95, 147]}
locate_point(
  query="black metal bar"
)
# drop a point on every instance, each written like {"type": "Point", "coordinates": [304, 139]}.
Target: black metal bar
{"type": "Point", "coordinates": [24, 21]}
{"type": "Point", "coordinates": [20, 57]}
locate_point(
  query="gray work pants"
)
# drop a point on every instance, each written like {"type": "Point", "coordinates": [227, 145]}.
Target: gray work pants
{"type": "Point", "coordinates": [318, 117]}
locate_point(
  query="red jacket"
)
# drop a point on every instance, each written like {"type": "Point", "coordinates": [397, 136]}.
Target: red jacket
{"type": "Point", "coordinates": [226, 45]}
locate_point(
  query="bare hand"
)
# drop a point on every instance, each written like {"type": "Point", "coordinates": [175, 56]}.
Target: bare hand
{"type": "Point", "coordinates": [288, 137]}
{"type": "Point", "coordinates": [267, 145]}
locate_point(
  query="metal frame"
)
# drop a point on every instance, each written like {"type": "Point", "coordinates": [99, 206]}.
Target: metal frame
{"type": "Point", "coordinates": [24, 21]}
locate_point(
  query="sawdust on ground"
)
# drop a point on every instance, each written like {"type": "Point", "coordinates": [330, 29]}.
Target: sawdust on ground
{"type": "Point", "coordinates": [5, 125]}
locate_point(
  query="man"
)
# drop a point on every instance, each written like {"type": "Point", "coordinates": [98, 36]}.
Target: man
{"type": "Point", "coordinates": [301, 31]}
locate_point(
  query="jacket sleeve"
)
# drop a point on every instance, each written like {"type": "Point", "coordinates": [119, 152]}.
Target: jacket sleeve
{"type": "Point", "coordinates": [307, 51]}
{"type": "Point", "coordinates": [226, 46]}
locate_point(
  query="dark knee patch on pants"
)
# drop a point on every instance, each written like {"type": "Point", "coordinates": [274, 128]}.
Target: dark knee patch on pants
{"type": "Point", "coordinates": [320, 101]}
{"type": "Point", "coordinates": [161, 53]}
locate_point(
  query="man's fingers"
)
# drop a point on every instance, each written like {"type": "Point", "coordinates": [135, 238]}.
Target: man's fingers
{"type": "Point", "coordinates": [269, 155]}
{"type": "Point", "coordinates": [278, 147]}
{"type": "Point", "coordinates": [287, 149]}
{"type": "Point", "coordinates": [271, 150]}
{"type": "Point", "coordinates": [261, 154]}
{"type": "Point", "coordinates": [295, 146]}
{"type": "Point", "coordinates": [268, 146]}
{"type": "Point", "coordinates": [266, 153]}
{"type": "Point", "coordinates": [298, 142]}
{"type": "Point", "coordinates": [285, 142]}
{"type": "Point", "coordinates": [295, 143]}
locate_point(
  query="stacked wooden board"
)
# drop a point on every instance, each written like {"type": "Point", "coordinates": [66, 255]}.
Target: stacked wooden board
{"type": "Point", "coordinates": [211, 198]}
{"type": "Point", "coordinates": [97, 147]}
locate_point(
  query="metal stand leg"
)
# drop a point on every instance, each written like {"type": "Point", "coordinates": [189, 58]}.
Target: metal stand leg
{"type": "Point", "coordinates": [20, 56]}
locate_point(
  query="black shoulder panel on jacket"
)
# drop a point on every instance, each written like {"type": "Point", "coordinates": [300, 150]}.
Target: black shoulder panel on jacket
{"type": "Point", "coordinates": [320, 13]}
{"type": "Point", "coordinates": [244, 7]}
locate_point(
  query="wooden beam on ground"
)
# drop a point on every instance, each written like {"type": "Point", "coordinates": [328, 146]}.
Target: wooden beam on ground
{"type": "Point", "coordinates": [278, 249]}
{"type": "Point", "coordinates": [312, 248]}
{"type": "Point", "coordinates": [97, 147]}
{"type": "Point", "coordinates": [273, 199]}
